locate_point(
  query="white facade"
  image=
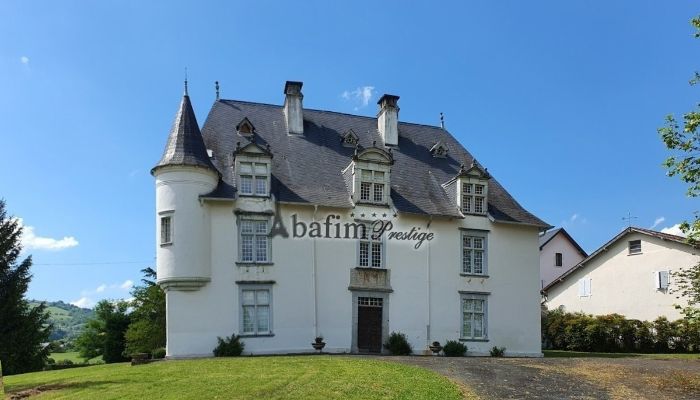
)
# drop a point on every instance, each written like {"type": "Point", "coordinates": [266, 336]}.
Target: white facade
{"type": "Point", "coordinates": [309, 280]}
{"type": "Point", "coordinates": [614, 281]}
{"type": "Point", "coordinates": [570, 255]}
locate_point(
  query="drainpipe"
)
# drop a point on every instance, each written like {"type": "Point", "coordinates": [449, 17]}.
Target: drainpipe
{"type": "Point", "coordinates": [427, 267]}
{"type": "Point", "coordinates": [313, 277]}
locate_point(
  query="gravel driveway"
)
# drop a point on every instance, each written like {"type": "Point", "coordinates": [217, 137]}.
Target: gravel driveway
{"type": "Point", "coordinates": [567, 378]}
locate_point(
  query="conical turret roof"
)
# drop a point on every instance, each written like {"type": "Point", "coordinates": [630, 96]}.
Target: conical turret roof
{"type": "Point", "coordinates": [185, 144]}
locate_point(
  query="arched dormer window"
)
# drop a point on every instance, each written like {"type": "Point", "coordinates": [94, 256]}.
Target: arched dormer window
{"type": "Point", "coordinates": [350, 139]}
{"type": "Point", "coordinates": [371, 176]}
{"type": "Point", "coordinates": [245, 127]}
{"type": "Point", "coordinates": [473, 190]}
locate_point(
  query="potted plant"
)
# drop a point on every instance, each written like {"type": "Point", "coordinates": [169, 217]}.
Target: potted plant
{"type": "Point", "coordinates": [435, 347]}
{"type": "Point", "coordinates": [318, 343]}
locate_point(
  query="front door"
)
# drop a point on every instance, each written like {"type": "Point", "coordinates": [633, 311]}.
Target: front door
{"type": "Point", "coordinates": [369, 324]}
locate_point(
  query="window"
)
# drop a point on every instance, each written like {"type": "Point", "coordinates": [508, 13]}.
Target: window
{"type": "Point", "coordinates": [635, 246]}
{"type": "Point", "coordinates": [371, 249]}
{"type": "Point", "coordinates": [372, 186]}
{"type": "Point", "coordinates": [558, 260]}
{"type": "Point", "coordinates": [474, 316]}
{"type": "Point", "coordinates": [166, 229]}
{"type": "Point", "coordinates": [473, 198]}
{"type": "Point", "coordinates": [661, 280]}
{"type": "Point", "coordinates": [473, 253]}
{"type": "Point", "coordinates": [254, 241]}
{"type": "Point", "coordinates": [584, 287]}
{"type": "Point", "coordinates": [253, 179]}
{"type": "Point", "coordinates": [256, 311]}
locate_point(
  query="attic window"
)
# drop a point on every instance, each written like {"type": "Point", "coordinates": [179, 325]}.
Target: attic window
{"type": "Point", "coordinates": [439, 150]}
{"type": "Point", "coordinates": [635, 246]}
{"type": "Point", "coordinates": [350, 139]}
{"type": "Point", "coordinates": [245, 127]}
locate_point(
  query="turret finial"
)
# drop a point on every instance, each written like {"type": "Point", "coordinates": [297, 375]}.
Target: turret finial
{"type": "Point", "coordinates": [186, 91]}
{"type": "Point", "coordinates": [217, 89]}
{"type": "Point", "coordinates": [442, 121]}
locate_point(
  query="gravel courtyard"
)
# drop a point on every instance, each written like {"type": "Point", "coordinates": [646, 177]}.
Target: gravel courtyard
{"type": "Point", "coordinates": [568, 378]}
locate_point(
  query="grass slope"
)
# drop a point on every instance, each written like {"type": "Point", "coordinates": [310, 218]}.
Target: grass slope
{"type": "Point", "coordinates": [301, 377]}
{"type": "Point", "coordinates": [75, 357]}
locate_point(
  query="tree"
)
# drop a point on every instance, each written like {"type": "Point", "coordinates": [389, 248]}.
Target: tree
{"type": "Point", "coordinates": [684, 162]}
{"type": "Point", "coordinates": [147, 329]}
{"type": "Point", "coordinates": [104, 333]}
{"type": "Point", "coordinates": [23, 328]}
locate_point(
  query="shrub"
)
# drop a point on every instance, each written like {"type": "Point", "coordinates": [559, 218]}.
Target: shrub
{"type": "Point", "coordinates": [398, 345]}
{"type": "Point", "coordinates": [454, 348]}
{"type": "Point", "coordinates": [231, 346]}
{"type": "Point", "coordinates": [497, 351]}
{"type": "Point", "coordinates": [159, 353]}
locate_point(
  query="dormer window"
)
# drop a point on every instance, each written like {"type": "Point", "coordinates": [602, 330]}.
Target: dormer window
{"type": "Point", "coordinates": [254, 179]}
{"type": "Point", "coordinates": [245, 127]}
{"type": "Point", "coordinates": [372, 186]}
{"type": "Point", "coordinates": [473, 196]}
{"type": "Point", "coordinates": [439, 150]}
{"type": "Point", "coordinates": [350, 139]}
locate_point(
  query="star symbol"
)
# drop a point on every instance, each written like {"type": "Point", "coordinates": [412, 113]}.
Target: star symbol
{"type": "Point", "coordinates": [384, 215]}
{"type": "Point", "coordinates": [352, 215]}
{"type": "Point", "coordinates": [374, 214]}
{"type": "Point", "coordinates": [394, 215]}
{"type": "Point", "coordinates": [362, 215]}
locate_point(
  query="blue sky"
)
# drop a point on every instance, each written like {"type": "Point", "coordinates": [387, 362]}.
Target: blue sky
{"type": "Point", "coordinates": [560, 100]}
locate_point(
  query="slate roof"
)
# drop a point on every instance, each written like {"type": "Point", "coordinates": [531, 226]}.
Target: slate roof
{"type": "Point", "coordinates": [308, 168]}
{"type": "Point", "coordinates": [625, 232]}
{"type": "Point", "coordinates": [549, 235]}
{"type": "Point", "coordinates": [185, 145]}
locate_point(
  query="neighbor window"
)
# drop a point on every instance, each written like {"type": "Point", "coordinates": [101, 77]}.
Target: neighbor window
{"type": "Point", "coordinates": [372, 186]}
{"type": "Point", "coordinates": [255, 311]}
{"type": "Point", "coordinates": [558, 260]}
{"type": "Point", "coordinates": [253, 179]}
{"type": "Point", "coordinates": [474, 316]}
{"type": "Point", "coordinates": [473, 198]}
{"type": "Point", "coordinates": [584, 287]}
{"type": "Point", "coordinates": [371, 251]}
{"type": "Point", "coordinates": [635, 246]}
{"type": "Point", "coordinates": [254, 241]}
{"type": "Point", "coordinates": [661, 280]}
{"type": "Point", "coordinates": [166, 229]}
{"type": "Point", "coordinates": [474, 253]}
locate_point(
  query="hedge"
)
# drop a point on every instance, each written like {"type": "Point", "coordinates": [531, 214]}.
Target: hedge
{"type": "Point", "coordinates": [616, 334]}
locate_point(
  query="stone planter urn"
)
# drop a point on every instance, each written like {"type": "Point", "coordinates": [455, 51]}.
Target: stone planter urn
{"type": "Point", "coordinates": [318, 344]}
{"type": "Point", "coordinates": [435, 348]}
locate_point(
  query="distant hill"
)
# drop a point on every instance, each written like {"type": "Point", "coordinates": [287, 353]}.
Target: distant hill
{"type": "Point", "coordinates": [68, 320]}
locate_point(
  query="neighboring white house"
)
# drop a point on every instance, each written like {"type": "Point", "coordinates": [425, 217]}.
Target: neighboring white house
{"type": "Point", "coordinates": [558, 253]}
{"type": "Point", "coordinates": [260, 220]}
{"type": "Point", "coordinates": [630, 275]}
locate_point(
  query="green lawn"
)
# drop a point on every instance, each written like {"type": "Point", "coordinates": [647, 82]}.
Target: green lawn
{"type": "Point", "coordinates": [300, 377]}
{"type": "Point", "coordinates": [563, 353]}
{"type": "Point", "coordinates": [75, 357]}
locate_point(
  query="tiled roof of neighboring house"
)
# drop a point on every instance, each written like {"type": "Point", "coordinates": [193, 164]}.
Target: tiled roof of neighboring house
{"type": "Point", "coordinates": [625, 232]}
{"type": "Point", "coordinates": [307, 168]}
{"type": "Point", "coordinates": [549, 235]}
{"type": "Point", "coordinates": [185, 145]}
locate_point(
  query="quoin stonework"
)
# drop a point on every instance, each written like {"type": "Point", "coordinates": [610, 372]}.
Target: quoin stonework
{"type": "Point", "coordinates": [459, 262]}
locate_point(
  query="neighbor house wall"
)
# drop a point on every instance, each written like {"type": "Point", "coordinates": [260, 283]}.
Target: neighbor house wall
{"type": "Point", "coordinates": [570, 257]}
{"type": "Point", "coordinates": [623, 283]}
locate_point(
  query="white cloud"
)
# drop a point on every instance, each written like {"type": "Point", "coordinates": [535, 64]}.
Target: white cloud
{"type": "Point", "coordinates": [362, 95]}
{"type": "Point", "coordinates": [574, 217]}
{"type": "Point", "coordinates": [24, 60]}
{"type": "Point", "coordinates": [30, 241]}
{"type": "Point", "coordinates": [657, 222]}
{"type": "Point", "coordinates": [101, 288]}
{"type": "Point", "coordinates": [84, 302]}
{"type": "Point", "coordinates": [674, 230]}
{"type": "Point", "coordinates": [127, 284]}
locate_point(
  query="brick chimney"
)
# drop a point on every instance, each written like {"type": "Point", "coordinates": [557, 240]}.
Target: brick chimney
{"type": "Point", "coordinates": [388, 119]}
{"type": "Point", "coordinates": [293, 107]}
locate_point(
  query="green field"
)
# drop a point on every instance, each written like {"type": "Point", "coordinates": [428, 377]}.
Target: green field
{"type": "Point", "coordinates": [300, 377]}
{"type": "Point", "coordinates": [570, 354]}
{"type": "Point", "coordinates": [75, 357]}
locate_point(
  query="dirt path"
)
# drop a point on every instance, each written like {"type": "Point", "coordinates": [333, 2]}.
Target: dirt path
{"type": "Point", "coordinates": [568, 378]}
